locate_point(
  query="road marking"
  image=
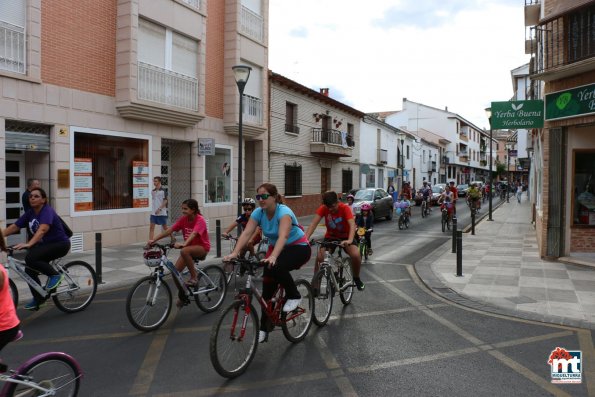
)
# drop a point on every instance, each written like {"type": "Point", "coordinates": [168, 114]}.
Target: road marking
{"type": "Point", "coordinates": [382, 312]}
{"type": "Point", "coordinates": [533, 339]}
{"type": "Point", "coordinates": [585, 341]}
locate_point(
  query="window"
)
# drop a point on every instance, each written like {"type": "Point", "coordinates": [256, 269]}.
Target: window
{"type": "Point", "coordinates": [581, 39]}
{"type": "Point", "coordinates": [110, 172]}
{"type": "Point", "coordinates": [371, 178]}
{"type": "Point", "coordinates": [346, 181]}
{"type": "Point", "coordinates": [584, 188]}
{"type": "Point", "coordinates": [350, 135]}
{"type": "Point", "coordinates": [13, 19]}
{"type": "Point", "coordinates": [407, 152]}
{"type": "Point", "coordinates": [293, 180]}
{"type": "Point", "coordinates": [291, 118]}
{"type": "Point", "coordinates": [218, 176]}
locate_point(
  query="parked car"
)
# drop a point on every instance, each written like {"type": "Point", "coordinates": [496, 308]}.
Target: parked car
{"type": "Point", "coordinates": [381, 201]}
{"type": "Point", "coordinates": [463, 189]}
{"type": "Point", "coordinates": [437, 190]}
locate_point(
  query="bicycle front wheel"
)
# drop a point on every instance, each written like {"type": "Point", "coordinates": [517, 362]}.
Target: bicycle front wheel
{"type": "Point", "coordinates": [78, 288]}
{"type": "Point", "coordinates": [444, 222]}
{"type": "Point", "coordinates": [57, 374]}
{"type": "Point", "coordinates": [211, 289]}
{"type": "Point", "coordinates": [233, 346]}
{"type": "Point", "coordinates": [345, 280]}
{"type": "Point", "coordinates": [148, 303]}
{"type": "Point", "coordinates": [296, 324]}
{"type": "Point", "coordinates": [323, 297]}
{"type": "Point", "coordinates": [14, 292]}
{"type": "Point", "coordinates": [423, 209]}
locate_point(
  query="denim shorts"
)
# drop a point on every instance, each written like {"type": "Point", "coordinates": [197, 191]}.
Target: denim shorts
{"type": "Point", "coordinates": [159, 219]}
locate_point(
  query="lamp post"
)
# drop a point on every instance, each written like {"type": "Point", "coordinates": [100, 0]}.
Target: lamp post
{"type": "Point", "coordinates": [241, 73]}
{"type": "Point", "coordinates": [402, 161]}
{"type": "Point", "coordinates": [508, 187]}
{"type": "Point", "coordinates": [489, 114]}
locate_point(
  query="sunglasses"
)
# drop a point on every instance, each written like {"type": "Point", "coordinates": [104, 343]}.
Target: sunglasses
{"type": "Point", "coordinates": [247, 208]}
{"type": "Point", "coordinates": [263, 196]}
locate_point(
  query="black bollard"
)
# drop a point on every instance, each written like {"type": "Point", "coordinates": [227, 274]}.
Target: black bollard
{"type": "Point", "coordinates": [473, 222]}
{"type": "Point", "coordinates": [454, 234]}
{"type": "Point", "coordinates": [218, 237]}
{"type": "Point", "coordinates": [459, 254]}
{"type": "Point", "coordinates": [98, 266]}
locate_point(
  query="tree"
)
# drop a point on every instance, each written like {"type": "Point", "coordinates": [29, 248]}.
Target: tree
{"type": "Point", "coordinates": [500, 169]}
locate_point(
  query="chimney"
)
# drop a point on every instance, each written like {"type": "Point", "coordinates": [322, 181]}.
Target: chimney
{"type": "Point", "coordinates": [446, 108]}
{"type": "Point", "coordinates": [324, 91]}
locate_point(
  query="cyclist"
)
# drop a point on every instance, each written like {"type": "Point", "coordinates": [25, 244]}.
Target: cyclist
{"type": "Point", "coordinates": [406, 192]}
{"type": "Point", "coordinates": [49, 242]}
{"type": "Point", "coordinates": [288, 249]}
{"type": "Point", "coordinates": [248, 205]}
{"type": "Point", "coordinates": [366, 220]}
{"type": "Point", "coordinates": [474, 197]}
{"type": "Point", "coordinates": [196, 242]}
{"type": "Point", "coordinates": [426, 192]}
{"type": "Point", "coordinates": [350, 200]}
{"type": "Point", "coordinates": [447, 199]}
{"type": "Point", "coordinates": [455, 196]}
{"type": "Point", "coordinates": [340, 226]}
{"type": "Point", "coordinates": [9, 322]}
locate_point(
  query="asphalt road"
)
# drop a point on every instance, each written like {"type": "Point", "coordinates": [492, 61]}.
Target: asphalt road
{"type": "Point", "coordinates": [396, 338]}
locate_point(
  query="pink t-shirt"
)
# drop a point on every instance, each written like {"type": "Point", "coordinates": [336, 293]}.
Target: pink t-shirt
{"type": "Point", "coordinates": [199, 226]}
{"type": "Point", "coordinates": [8, 314]}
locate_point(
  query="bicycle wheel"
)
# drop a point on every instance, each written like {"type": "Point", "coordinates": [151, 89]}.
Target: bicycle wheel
{"type": "Point", "coordinates": [231, 346]}
{"type": "Point", "coordinates": [345, 280]}
{"type": "Point", "coordinates": [78, 288]}
{"type": "Point", "coordinates": [401, 222]}
{"type": "Point", "coordinates": [444, 222]}
{"type": "Point", "coordinates": [14, 292]}
{"type": "Point", "coordinates": [423, 209]}
{"type": "Point", "coordinates": [296, 324]}
{"type": "Point", "coordinates": [57, 373]}
{"type": "Point", "coordinates": [212, 279]}
{"type": "Point", "coordinates": [148, 303]}
{"type": "Point", "coordinates": [323, 297]}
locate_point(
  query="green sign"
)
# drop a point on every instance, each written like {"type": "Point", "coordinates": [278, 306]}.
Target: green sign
{"type": "Point", "coordinates": [577, 101]}
{"type": "Point", "coordinates": [517, 114]}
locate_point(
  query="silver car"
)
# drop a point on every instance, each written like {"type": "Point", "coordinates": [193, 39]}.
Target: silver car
{"type": "Point", "coordinates": [379, 199]}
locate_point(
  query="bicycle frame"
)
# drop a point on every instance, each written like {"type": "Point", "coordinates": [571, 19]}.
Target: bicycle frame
{"type": "Point", "coordinates": [19, 267]}
{"type": "Point", "coordinates": [337, 263]}
{"type": "Point", "coordinates": [165, 262]}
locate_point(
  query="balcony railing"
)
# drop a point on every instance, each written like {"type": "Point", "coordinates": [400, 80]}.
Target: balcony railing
{"type": "Point", "coordinates": [294, 129]}
{"type": "Point", "coordinates": [12, 48]}
{"type": "Point", "coordinates": [432, 167]}
{"type": "Point", "coordinates": [323, 135]}
{"type": "Point", "coordinates": [252, 109]}
{"type": "Point", "coordinates": [252, 24]}
{"type": "Point", "coordinates": [163, 86]}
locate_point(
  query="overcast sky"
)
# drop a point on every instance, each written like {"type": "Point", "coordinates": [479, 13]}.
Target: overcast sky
{"type": "Point", "coordinates": [371, 54]}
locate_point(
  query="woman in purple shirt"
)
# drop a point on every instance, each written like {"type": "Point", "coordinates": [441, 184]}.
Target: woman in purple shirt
{"type": "Point", "coordinates": [49, 242]}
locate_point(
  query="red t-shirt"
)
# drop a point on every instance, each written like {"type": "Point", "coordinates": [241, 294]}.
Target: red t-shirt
{"type": "Point", "coordinates": [455, 192]}
{"type": "Point", "coordinates": [337, 224]}
{"type": "Point", "coordinates": [199, 226]}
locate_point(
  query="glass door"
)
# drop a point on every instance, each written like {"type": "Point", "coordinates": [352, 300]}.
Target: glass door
{"type": "Point", "coordinates": [15, 187]}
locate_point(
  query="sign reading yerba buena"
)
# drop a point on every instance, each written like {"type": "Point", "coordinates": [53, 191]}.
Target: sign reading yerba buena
{"type": "Point", "coordinates": [517, 114]}
{"type": "Point", "coordinates": [574, 102]}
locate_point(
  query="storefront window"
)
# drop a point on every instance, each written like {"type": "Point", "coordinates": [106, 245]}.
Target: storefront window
{"type": "Point", "coordinates": [110, 172]}
{"type": "Point", "coordinates": [584, 188]}
{"type": "Point", "coordinates": [371, 178]}
{"type": "Point", "coordinates": [218, 176]}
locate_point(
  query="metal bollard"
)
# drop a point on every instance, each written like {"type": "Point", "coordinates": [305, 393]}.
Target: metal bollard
{"type": "Point", "coordinates": [459, 254]}
{"type": "Point", "coordinates": [454, 234]}
{"type": "Point", "coordinates": [98, 265]}
{"type": "Point", "coordinates": [473, 223]}
{"type": "Point", "coordinates": [218, 237]}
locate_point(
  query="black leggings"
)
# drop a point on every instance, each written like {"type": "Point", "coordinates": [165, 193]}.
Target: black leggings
{"type": "Point", "coordinates": [8, 336]}
{"type": "Point", "coordinates": [291, 258]}
{"type": "Point", "coordinates": [38, 258]}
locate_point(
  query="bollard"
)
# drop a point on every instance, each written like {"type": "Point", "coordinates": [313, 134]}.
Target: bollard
{"type": "Point", "coordinates": [459, 253]}
{"type": "Point", "coordinates": [218, 237]}
{"type": "Point", "coordinates": [98, 266]}
{"type": "Point", "coordinates": [473, 222]}
{"type": "Point", "coordinates": [454, 234]}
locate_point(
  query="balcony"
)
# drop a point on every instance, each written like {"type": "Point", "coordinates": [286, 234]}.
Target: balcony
{"type": "Point", "coordinates": [532, 11]}
{"type": "Point", "coordinates": [12, 48]}
{"type": "Point", "coordinates": [464, 134]}
{"type": "Point", "coordinates": [483, 163]}
{"type": "Point", "coordinates": [166, 87]}
{"type": "Point", "coordinates": [331, 143]}
{"type": "Point", "coordinates": [252, 24]}
{"type": "Point", "coordinates": [292, 129]}
{"type": "Point", "coordinates": [252, 110]}
{"type": "Point", "coordinates": [382, 157]}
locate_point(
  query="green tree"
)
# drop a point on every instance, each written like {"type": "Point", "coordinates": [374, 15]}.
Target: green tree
{"type": "Point", "coordinates": [500, 169]}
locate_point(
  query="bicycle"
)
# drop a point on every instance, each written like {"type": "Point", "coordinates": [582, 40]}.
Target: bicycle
{"type": "Point", "coordinates": [234, 337]}
{"type": "Point", "coordinates": [230, 271]}
{"type": "Point", "coordinates": [363, 242]}
{"type": "Point", "coordinates": [425, 207]}
{"type": "Point", "coordinates": [403, 213]}
{"type": "Point", "coordinates": [446, 217]}
{"type": "Point", "coordinates": [149, 301]}
{"type": "Point", "coordinates": [47, 374]}
{"type": "Point", "coordinates": [75, 292]}
{"type": "Point", "coordinates": [334, 275]}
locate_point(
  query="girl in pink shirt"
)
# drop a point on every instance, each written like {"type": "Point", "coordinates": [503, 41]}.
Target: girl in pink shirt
{"type": "Point", "coordinates": [196, 238]}
{"type": "Point", "coordinates": [9, 322]}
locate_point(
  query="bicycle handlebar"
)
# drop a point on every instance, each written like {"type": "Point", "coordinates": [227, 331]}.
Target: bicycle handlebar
{"type": "Point", "coordinates": [326, 243]}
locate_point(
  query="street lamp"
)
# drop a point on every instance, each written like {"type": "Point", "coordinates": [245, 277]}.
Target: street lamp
{"type": "Point", "coordinates": [402, 161]}
{"type": "Point", "coordinates": [241, 73]}
{"type": "Point", "coordinates": [508, 187]}
{"type": "Point", "coordinates": [489, 114]}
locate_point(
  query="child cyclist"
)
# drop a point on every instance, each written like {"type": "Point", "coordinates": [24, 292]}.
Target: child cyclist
{"type": "Point", "coordinates": [350, 200]}
{"type": "Point", "coordinates": [366, 220]}
{"type": "Point", "coordinates": [248, 205]}
{"type": "Point", "coordinates": [196, 242]}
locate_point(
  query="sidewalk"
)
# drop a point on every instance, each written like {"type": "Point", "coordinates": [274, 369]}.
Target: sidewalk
{"type": "Point", "coordinates": [502, 273]}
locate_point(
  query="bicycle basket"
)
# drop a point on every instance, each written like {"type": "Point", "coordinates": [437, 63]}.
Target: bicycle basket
{"type": "Point", "coordinates": [152, 256]}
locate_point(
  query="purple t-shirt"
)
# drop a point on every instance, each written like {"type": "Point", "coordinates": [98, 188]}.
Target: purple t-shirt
{"type": "Point", "coordinates": [47, 216]}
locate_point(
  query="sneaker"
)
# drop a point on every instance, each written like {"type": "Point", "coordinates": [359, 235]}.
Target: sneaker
{"type": "Point", "coordinates": [263, 336]}
{"type": "Point", "coordinates": [359, 283]}
{"type": "Point", "coordinates": [54, 281]}
{"type": "Point", "coordinates": [291, 304]}
{"type": "Point", "coordinates": [34, 305]}
{"type": "Point", "coordinates": [370, 251]}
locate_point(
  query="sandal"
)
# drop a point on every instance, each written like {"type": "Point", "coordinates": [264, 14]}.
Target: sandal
{"type": "Point", "coordinates": [191, 283]}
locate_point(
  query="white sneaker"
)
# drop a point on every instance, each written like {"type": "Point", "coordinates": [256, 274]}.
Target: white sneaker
{"type": "Point", "coordinates": [291, 304]}
{"type": "Point", "coordinates": [262, 336]}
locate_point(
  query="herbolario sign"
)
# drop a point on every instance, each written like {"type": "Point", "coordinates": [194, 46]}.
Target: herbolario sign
{"type": "Point", "coordinates": [574, 102]}
{"type": "Point", "coordinates": [517, 114]}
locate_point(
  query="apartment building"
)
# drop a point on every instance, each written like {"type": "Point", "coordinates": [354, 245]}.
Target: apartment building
{"type": "Point", "coordinates": [560, 41]}
{"type": "Point", "coordinates": [97, 99]}
{"type": "Point", "coordinates": [313, 145]}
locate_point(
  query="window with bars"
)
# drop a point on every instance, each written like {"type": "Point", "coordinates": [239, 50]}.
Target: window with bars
{"type": "Point", "coordinates": [371, 178]}
{"type": "Point", "coordinates": [346, 181]}
{"type": "Point", "coordinates": [13, 40]}
{"type": "Point", "coordinates": [293, 180]}
{"type": "Point", "coordinates": [581, 34]}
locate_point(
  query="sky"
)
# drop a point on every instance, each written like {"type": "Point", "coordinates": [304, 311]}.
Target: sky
{"type": "Point", "coordinates": [372, 54]}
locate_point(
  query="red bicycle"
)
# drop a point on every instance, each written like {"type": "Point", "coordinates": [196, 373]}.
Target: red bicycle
{"type": "Point", "coordinates": [234, 337]}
